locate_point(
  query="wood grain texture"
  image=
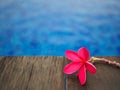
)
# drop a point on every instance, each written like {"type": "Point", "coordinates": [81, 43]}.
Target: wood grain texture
{"type": "Point", "coordinates": [106, 78]}
{"type": "Point", "coordinates": [31, 73]}
{"type": "Point", "coordinates": [45, 73]}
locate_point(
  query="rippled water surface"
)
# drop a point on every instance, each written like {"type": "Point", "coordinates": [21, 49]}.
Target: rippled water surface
{"type": "Point", "coordinates": [50, 27]}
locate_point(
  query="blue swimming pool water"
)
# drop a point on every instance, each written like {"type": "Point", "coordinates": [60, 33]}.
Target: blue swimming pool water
{"type": "Point", "coordinates": [50, 27]}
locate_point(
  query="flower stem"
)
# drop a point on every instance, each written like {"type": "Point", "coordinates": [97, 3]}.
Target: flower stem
{"type": "Point", "coordinates": [94, 59]}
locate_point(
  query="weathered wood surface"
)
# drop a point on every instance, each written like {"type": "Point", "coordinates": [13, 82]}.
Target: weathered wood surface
{"type": "Point", "coordinates": [106, 78]}
{"type": "Point", "coordinates": [45, 73]}
{"type": "Point", "coordinates": [31, 73]}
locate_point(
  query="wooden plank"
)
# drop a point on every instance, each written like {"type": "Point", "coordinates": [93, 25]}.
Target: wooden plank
{"type": "Point", "coordinates": [31, 73]}
{"type": "Point", "coordinates": [106, 78]}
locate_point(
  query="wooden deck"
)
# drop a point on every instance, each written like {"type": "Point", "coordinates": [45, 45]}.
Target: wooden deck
{"type": "Point", "coordinates": [45, 73]}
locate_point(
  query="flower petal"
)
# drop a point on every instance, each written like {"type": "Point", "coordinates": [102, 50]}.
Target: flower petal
{"type": "Point", "coordinates": [84, 53]}
{"type": "Point", "coordinates": [82, 75]}
{"type": "Point", "coordinates": [91, 68]}
{"type": "Point", "coordinates": [73, 56]}
{"type": "Point", "coordinates": [72, 67]}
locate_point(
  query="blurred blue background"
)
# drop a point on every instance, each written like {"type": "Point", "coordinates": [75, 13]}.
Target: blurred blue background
{"type": "Point", "coordinates": [50, 27]}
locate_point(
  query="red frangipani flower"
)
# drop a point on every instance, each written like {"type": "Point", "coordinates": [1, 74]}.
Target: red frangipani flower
{"type": "Point", "coordinates": [80, 61]}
